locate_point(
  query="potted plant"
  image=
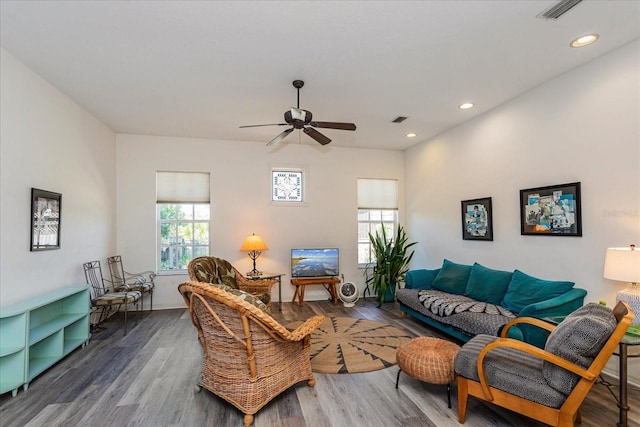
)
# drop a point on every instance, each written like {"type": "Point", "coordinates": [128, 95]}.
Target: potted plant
{"type": "Point", "coordinates": [392, 259]}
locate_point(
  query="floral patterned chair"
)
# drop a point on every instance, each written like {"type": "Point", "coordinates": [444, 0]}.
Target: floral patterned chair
{"type": "Point", "coordinates": [208, 269]}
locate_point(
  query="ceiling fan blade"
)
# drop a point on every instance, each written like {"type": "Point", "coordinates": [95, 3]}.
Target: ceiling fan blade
{"type": "Point", "coordinates": [334, 125]}
{"type": "Point", "coordinates": [271, 124]}
{"type": "Point", "coordinates": [317, 136]}
{"type": "Point", "coordinates": [280, 137]}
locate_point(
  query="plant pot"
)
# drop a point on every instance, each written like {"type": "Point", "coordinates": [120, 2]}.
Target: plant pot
{"type": "Point", "coordinates": [389, 294]}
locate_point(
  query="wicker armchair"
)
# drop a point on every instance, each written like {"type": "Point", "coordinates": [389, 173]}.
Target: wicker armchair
{"type": "Point", "coordinates": [249, 358]}
{"type": "Point", "coordinates": [208, 269]}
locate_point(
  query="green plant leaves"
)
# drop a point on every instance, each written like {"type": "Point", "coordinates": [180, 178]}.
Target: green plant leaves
{"type": "Point", "coordinates": [392, 261]}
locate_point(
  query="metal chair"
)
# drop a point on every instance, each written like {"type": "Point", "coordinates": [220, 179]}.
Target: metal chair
{"type": "Point", "coordinates": [104, 297]}
{"type": "Point", "coordinates": [123, 280]}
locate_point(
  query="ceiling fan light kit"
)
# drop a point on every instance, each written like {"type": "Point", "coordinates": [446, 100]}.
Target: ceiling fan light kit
{"type": "Point", "coordinates": [298, 118]}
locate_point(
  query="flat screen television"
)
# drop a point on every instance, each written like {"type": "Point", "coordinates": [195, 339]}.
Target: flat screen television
{"type": "Point", "coordinates": [321, 262]}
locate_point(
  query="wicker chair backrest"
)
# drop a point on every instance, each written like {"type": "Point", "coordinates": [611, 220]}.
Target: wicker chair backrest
{"type": "Point", "coordinates": [218, 299]}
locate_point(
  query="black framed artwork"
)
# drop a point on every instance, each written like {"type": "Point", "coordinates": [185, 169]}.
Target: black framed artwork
{"type": "Point", "coordinates": [554, 210]}
{"type": "Point", "coordinates": [477, 219]}
{"type": "Point", "coordinates": [45, 220]}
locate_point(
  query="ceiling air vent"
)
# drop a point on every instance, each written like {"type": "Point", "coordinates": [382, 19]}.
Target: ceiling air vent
{"type": "Point", "coordinates": [399, 119]}
{"type": "Point", "coordinates": [559, 9]}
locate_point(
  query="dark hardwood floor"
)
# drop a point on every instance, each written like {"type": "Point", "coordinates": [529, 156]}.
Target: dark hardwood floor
{"type": "Point", "coordinates": [147, 379]}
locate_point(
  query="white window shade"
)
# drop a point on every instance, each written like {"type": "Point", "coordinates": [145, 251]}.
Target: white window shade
{"type": "Point", "coordinates": [182, 187]}
{"type": "Point", "coordinates": [377, 194]}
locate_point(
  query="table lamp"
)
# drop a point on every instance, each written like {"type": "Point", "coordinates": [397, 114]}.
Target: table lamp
{"type": "Point", "coordinates": [623, 264]}
{"type": "Point", "coordinates": [254, 245]}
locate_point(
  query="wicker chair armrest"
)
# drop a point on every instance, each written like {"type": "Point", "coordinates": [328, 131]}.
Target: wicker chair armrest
{"type": "Point", "coordinates": [529, 321]}
{"type": "Point", "coordinates": [530, 349]}
{"type": "Point", "coordinates": [306, 328]}
{"type": "Point", "coordinates": [265, 320]}
{"type": "Point", "coordinates": [262, 286]}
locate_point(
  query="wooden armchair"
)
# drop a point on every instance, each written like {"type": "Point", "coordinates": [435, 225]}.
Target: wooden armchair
{"type": "Point", "coordinates": [249, 358]}
{"type": "Point", "coordinates": [547, 385]}
{"type": "Point", "coordinates": [208, 269]}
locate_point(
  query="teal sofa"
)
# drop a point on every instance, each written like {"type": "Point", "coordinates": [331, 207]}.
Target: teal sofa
{"type": "Point", "coordinates": [467, 300]}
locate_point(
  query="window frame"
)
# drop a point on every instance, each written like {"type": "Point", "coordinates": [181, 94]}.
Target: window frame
{"type": "Point", "coordinates": [372, 226]}
{"type": "Point", "coordinates": [193, 246]}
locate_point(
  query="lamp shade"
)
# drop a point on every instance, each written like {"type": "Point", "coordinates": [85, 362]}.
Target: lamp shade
{"type": "Point", "coordinates": [253, 242]}
{"type": "Point", "coordinates": [622, 264]}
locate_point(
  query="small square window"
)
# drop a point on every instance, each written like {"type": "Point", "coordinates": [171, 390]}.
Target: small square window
{"type": "Point", "coordinates": [287, 186]}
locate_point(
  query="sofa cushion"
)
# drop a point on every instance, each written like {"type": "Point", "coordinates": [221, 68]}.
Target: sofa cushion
{"type": "Point", "coordinates": [446, 304]}
{"type": "Point", "coordinates": [524, 290]}
{"type": "Point", "coordinates": [578, 339]}
{"type": "Point", "coordinates": [452, 277]}
{"type": "Point", "coordinates": [468, 323]}
{"type": "Point", "coordinates": [487, 285]}
{"type": "Point", "coordinates": [420, 279]}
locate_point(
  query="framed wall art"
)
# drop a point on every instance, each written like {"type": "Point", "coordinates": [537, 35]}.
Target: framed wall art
{"type": "Point", "coordinates": [45, 220]}
{"type": "Point", "coordinates": [477, 219]}
{"type": "Point", "coordinates": [551, 211]}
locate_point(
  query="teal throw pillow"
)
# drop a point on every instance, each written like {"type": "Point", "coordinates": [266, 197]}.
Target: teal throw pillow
{"type": "Point", "coordinates": [452, 278]}
{"type": "Point", "coordinates": [525, 290]}
{"type": "Point", "coordinates": [420, 279]}
{"type": "Point", "coordinates": [487, 285]}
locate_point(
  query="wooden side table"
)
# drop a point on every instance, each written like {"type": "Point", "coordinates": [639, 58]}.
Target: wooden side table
{"type": "Point", "coordinates": [329, 284]}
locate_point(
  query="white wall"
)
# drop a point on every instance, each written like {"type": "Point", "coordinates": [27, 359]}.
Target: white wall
{"type": "Point", "coordinates": [240, 202]}
{"type": "Point", "coordinates": [583, 126]}
{"type": "Point", "coordinates": [49, 142]}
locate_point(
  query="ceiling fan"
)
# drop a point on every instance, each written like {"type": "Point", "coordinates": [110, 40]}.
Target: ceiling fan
{"type": "Point", "coordinates": [298, 118]}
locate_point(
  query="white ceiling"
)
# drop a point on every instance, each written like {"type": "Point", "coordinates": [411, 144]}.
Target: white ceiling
{"type": "Point", "coordinates": [203, 68]}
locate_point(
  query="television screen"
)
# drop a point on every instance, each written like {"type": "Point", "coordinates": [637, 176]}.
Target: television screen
{"type": "Point", "coordinates": [315, 262]}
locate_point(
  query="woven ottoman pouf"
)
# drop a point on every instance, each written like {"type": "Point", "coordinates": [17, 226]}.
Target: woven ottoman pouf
{"type": "Point", "coordinates": [428, 359]}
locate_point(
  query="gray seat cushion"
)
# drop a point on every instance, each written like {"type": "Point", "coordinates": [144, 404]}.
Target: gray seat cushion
{"type": "Point", "coordinates": [509, 370]}
{"type": "Point", "coordinates": [468, 322]}
{"type": "Point", "coordinates": [578, 339]}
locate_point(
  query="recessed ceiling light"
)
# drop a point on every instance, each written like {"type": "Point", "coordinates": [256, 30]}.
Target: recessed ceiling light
{"type": "Point", "coordinates": [466, 105]}
{"type": "Point", "coordinates": [585, 40]}
{"type": "Point", "coordinates": [412, 135]}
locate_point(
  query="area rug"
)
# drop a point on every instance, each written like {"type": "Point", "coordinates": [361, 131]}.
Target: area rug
{"type": "Point", "coordinates": [346, 345]}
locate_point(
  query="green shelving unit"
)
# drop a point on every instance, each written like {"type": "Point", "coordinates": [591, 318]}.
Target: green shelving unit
{"type": "Point", "coordinates": [38, 332]}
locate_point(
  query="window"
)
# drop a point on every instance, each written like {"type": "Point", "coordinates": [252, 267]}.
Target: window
{"type": "Point", "coordinates": [183, 213]}
{"type": "Point", "coordinates": [377, 208]}
{"type": "Point", "coordinates": [287, 185]}
{"type": "Point", "coordinates": [184, 234]}
{"type": "Point", "coordinates": [372, 221]}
